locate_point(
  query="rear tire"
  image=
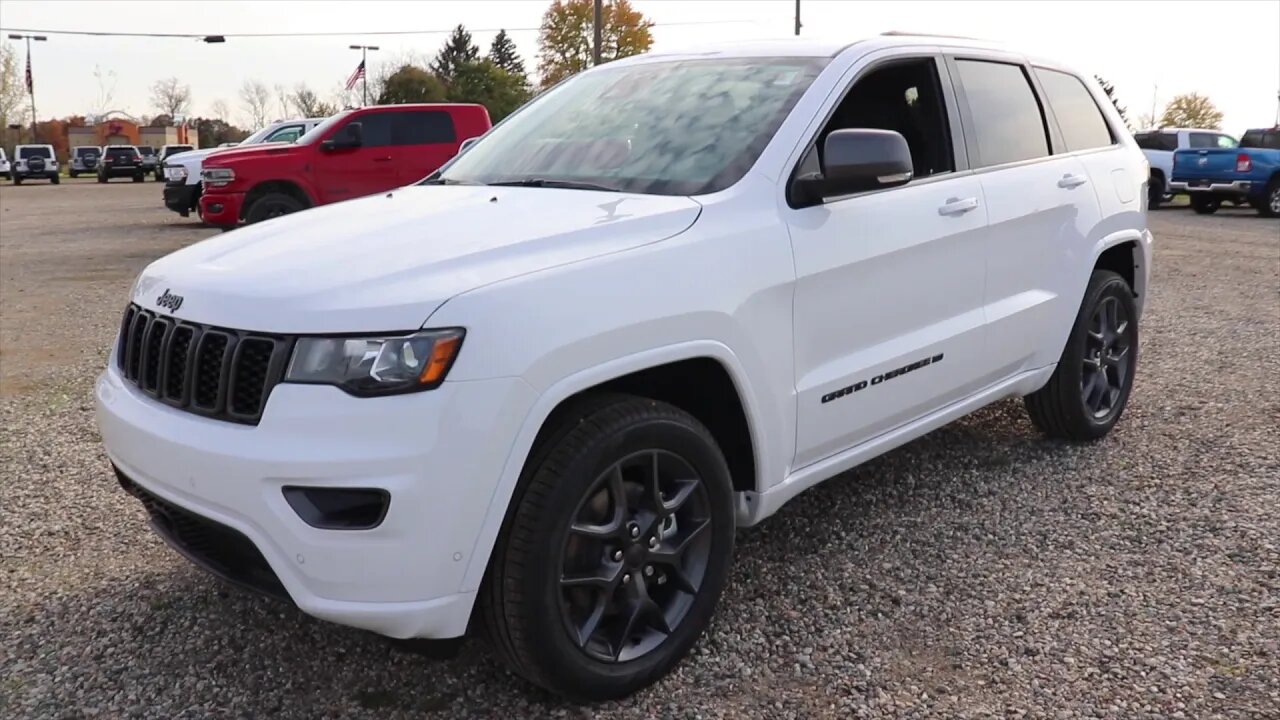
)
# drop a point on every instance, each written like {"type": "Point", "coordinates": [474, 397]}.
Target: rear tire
{"type": "Point", "coordinates": [55, 179]}
{"type": "Point", "coordinates": [17, 179]}
{"type": "Point", "coordinates": [139, 178]}
{"type": "Point", "coordinates": [610, 606]}
{"type": "Point", "coordinates": [73, 173]}
{"type": "Point", "coordinates": [1269, 206]}
{"type": "Point", "coordinates": [1087, 392]}
{"type": "Point", "coordinates": [1155, 192]}
{"type": "Point", "coordinates": [272, 205]}
{"type": "Point", "coordinates": [1204, 205]}
{"type": "Point", "coordinates": [102, 178]}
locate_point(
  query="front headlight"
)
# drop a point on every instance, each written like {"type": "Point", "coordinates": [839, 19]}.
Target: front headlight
{"type": "Point", "coordinates": [217, 177]}
{"type": "Point", "coordinates": [175, 173]}
{"type": "Point", "coordinates": [367, 366]}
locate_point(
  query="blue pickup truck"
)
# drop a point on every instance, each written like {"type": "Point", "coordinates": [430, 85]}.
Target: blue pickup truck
{"type": "Point", "coordinates": [1250, 172]}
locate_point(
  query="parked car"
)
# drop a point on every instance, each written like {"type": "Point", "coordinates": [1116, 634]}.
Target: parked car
{"type": "Point", "coordinates": [1159, 145]}
{"type": "Point", "coordinates": [150, 161]}
{"type": "Point", "coordinates": [4, 165]}
{"type": "Point", "coordinates": [1249, 174]}
{"type": "Point", "coordinates": [166, 152]}
{"type": "Point", "coordinates": [34, 161]}
{"type": "Point", "coordinates": [84, 159]}
{"type": "Point", "coordinates": [182, 173]}
{"type": "Point", "coordinates": [121, 161]}
{"type": "Point", "coordinates": [541, 389]}
{"type": "Point", "coordinates": [352, 154]}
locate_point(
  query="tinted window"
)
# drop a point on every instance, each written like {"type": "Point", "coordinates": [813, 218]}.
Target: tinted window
{"type": "Point", "coordinates": [175, 149]}
{"type": "Point", "coordinates": [146, 150]}
{"type": "Point", "coordinates": [1008, 124]}
{"type": "Point", "coordinates": [1261, 139]}
{"type": "Point", "coordinates": [33, 152]}
{"type": "Point", "coordinates": [1157, 141]}
{"type": "Point", "coordinates": [376, 127]}
{"type": "Point", "coordinates": [423, 127]}
{"type": "Point", "coordinates": [122, 153]}
{"type": "Point", "coordinates": [87, 152]}
{"type": "Point", "coordinates": [1079, 118]}
{"type": "Point", "coordinates": [1211, 140]}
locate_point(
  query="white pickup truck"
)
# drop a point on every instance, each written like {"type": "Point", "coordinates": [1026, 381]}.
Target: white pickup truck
{"type": "Point", "coordinates": [182, 171]}
{"type": "Point", "coordinates": [1159, 145]}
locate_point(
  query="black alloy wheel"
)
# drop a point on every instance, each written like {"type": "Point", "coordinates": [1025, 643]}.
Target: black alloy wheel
{"type": "Point", "coordinates": [1106, 364]}
{"type": "Point", "coordinates": [635, 555]}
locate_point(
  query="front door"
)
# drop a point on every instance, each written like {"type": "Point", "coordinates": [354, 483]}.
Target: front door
{"type": "Point", "coordinates": [346, 173]}
{"type": "Point", "coordinates": [888, 307]}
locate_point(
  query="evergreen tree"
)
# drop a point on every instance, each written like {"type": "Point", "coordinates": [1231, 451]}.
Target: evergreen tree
{"type": "Point", "coordinates": [458, 49]}
{"type": "Point", "coordinates": [503, 54]}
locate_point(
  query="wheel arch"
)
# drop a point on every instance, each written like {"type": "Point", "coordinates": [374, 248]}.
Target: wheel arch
{"type": "Point", "coordinates": [288, 187]}
{"type": "Point", "coordinates": [623, 375]}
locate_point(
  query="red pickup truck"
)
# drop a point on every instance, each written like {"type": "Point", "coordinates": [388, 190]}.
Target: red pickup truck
{"type": "Point", "coordinates": [352, 154]}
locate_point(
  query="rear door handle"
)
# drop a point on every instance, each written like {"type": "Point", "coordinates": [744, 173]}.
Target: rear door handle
{"type": "Point", "coordinates": [1070, 181]}
{"type": "Point", "coordinates": [958, 206]}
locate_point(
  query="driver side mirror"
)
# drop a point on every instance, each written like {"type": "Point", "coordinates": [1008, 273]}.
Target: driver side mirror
{"type": "Point", "coordinates": [350, 136]}
{"type": "Point", "coordinates": [856, 160]}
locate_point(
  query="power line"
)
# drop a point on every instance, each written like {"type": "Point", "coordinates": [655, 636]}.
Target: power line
{"type": "Point", "coordinates": [345, 33]}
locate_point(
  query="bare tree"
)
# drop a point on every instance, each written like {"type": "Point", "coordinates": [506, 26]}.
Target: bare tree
{"type": "Point", "coordinates": [171, 97]}
{"type": "Point", "coordinates": [13, 91]}
{"type": "Point", "coordinates": [256, 98]}
{"type": "Point", "coordinates": [308, 104]}
{"type": "Point", "coordinates": [220, 110]}
{"type": "Point", "coordinates": [104, 101]}
{"type": "Point", "coordinates": [285, 100]}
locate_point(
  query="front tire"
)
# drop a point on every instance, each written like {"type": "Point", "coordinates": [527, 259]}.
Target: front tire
{"type": "Point", "coordinates": [1205, 205]}
{"type": "Point", "coordinates": [1089, 389]}
{"type": "Point", "coordinates": [272, 205]}
{"type": "Point", "coordinates": [618, 546]}
{"type": "Point", "coordinates": [1269, 206]}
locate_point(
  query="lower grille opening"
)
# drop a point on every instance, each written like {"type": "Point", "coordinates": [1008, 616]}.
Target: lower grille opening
{"type": "Point", "coordinates": [213, 546]}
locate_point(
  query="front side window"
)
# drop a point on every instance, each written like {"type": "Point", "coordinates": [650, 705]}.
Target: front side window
{"type": "Point", "coordinates": [288, 134]}
{"type": "Point", "coordinates": [683, 127]}
{"type": "Point", "coordinates": [1081, 121]}
{"type": "Point", "coordinates": [34, 152]}
{"type": "Point", "coordinates": [1008, 123]}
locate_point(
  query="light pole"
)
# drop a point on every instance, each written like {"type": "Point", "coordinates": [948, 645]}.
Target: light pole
{"type": "Point", "coordinates": [364, 66]}
{"type": "Point", "coordinates": [31, 86]}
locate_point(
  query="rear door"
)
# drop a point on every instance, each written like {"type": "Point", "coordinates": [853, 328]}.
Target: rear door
{"type": "Point", "coordinates": [1041, 211]}
{"type": "Point", "coordinates": [425, 140]}
{"type": "Point", "coordinates": [346, 173]}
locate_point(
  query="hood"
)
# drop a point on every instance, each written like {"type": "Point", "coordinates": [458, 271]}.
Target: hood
{"type": "Point", "coordinates": [251, 151]}
{"type": "Point", "coordinates": [386, 262]}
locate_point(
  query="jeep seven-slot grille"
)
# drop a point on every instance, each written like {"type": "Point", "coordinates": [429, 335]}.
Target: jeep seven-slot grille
{"type": "Point", "coordinates": [216, 372]}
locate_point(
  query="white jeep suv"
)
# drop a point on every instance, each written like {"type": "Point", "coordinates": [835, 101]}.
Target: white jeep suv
{"type": "Point", "coordinates": [541, 388]}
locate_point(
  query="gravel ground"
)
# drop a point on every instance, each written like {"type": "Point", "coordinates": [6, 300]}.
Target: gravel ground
{"type": "Point", "coordinates": [977, 572]}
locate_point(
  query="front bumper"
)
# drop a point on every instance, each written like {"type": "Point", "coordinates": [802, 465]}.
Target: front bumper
{"type": "Point", "coordinates": [181, 198]}
{"type": "Point", "coordinates": [221, 208]}
{"type": "Point", "coordinates": [1234, 187]}
{"type": "Point", "coordinates": [439, 455]}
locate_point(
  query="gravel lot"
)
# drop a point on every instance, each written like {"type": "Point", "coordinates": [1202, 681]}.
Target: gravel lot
{"type": "Point", "coordinates": [978, 572]}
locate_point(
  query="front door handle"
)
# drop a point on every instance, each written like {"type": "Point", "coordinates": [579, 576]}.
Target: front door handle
{"type": "Point", "coordinates": [1070, 181]}
{"type": "Point", "coordinates": [958, 206]}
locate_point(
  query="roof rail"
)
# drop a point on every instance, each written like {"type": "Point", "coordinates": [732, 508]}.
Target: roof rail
{"type": "Point", "coordinates": [907, 33]}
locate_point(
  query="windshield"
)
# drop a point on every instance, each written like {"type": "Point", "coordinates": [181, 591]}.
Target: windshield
{"type": "Point", "coordinates": [34, 152]}
{"type": "Point", "coordinates": [673, 128]}
{"type": "Point", "coordinates": [319, 131]}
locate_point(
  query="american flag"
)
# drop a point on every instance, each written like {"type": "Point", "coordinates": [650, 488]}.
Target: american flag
{"type": "Point", "coordinates": [356, 76]}
{"type": "Point", "coordinates": [30, 85]}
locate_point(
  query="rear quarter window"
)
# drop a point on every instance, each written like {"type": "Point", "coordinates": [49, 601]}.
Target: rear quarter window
{"type": "Point", "coordinates": [1079, 117]}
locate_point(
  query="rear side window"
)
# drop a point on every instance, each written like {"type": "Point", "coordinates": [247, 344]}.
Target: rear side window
{"type": "Point", "coordinates": [1008, 123]}
{"type": "Point", "coordinates": [1211, 140]}
{"type": "Point", "coordinates": [423, 127]}
{"type": "Point", "coordinates": [1081, 121]}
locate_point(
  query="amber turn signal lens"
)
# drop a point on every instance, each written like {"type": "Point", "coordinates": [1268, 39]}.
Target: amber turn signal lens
{"type": "Point", "coordinates": [442, 355]}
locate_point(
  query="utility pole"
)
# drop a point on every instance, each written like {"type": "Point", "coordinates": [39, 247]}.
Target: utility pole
{"type": "Point", "coordinates": [1155, 88]}
{"type": "Point", "coordinates": [598, 31]}
{"type": "Point", "coordinates": [364, 65]}
{"type": "Point", "coordinates": [31, 86]}
{"type": "Point", "coordinates": [797, 18]}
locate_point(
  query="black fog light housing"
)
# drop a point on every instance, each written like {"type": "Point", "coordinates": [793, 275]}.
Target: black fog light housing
{"type": "Point", "coordinates": [215, 207]}
{"type": "Point", "coordinates": [339, 508]}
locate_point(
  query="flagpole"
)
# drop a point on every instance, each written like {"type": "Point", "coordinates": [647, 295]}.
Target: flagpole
{"type": "Point", "coordinates": [364, 65]}
{"type": "Point", "coordinates": [31, 86]}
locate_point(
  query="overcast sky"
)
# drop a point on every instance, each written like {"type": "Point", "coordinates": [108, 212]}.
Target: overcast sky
{"type": "Point", "coordinates": [1227, 50]}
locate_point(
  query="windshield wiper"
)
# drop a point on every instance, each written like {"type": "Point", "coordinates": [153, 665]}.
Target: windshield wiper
{"type": "Point", "coordinates": [447, 181]}
{"type": "Point", "coordinates": [545, 183]}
